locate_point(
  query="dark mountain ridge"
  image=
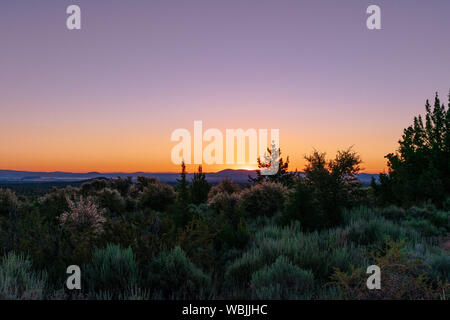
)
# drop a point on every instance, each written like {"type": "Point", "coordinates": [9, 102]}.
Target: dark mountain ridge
{"type": "Point", "coordinates": [239, 176]}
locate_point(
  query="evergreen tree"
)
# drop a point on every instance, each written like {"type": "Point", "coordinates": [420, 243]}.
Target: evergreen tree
{"type": "Point", "coordinates": [282, 176]}
{"type": "Point", "coordinates": [182, 211]}
{"type": "Point", "coordinates": [199, 187]}
{"type": "Point", "coordinates": [326, 188]}
{"type": "Point", "coordinates": [182, 188]}
{"type": "Point", "coordinates": [420, 169]}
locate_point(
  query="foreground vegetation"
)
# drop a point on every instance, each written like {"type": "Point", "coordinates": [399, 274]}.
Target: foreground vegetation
{"type": "Point", "coordinates": [281, 237]}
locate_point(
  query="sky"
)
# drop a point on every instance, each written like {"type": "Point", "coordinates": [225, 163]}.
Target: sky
{"type": "Point", "coordinates": [107, 97]}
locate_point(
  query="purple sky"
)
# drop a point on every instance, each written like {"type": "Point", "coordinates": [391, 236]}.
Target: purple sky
{"type": "Point", "coordinates": [108, 96]}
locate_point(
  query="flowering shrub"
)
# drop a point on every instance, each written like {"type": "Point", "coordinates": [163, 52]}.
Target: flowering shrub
{"type": "Point", "coordinates": [83, 215]}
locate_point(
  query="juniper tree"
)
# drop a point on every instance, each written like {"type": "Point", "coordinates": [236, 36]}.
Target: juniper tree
{"type": "Point", "coordinates": [282, 176]}
{"type": "Point", "coordinates": [326, 188]}
{"type": "Point", "coordinates": [420, 169]}
{"type": "Point", "coordinates": [182, 212]}
{"type": "Point", "coordinates": [182, 187]}
{"type": "Point", "coordinates": [199, 187]}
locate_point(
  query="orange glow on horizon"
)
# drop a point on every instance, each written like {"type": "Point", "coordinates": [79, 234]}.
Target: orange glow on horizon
{"type": "Point", "coordinates": [84, 144]}
{"type": "Point", "coordinates": [124, 168]}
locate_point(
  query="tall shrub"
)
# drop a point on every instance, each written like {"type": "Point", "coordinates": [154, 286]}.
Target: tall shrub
{"type": "Point", "coordinates": [112, 270]}
{"type": "Point", "coordinates": [18, 280]}
{"type": "Point", "coordinates": [174, 276]}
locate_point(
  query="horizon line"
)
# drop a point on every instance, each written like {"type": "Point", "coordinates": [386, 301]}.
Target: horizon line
{"type": "Point", "coordinates": [151, 172]}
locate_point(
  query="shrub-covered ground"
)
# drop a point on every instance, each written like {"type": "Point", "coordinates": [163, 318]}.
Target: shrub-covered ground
{"type": "Point", "coordinates": [139, 240]}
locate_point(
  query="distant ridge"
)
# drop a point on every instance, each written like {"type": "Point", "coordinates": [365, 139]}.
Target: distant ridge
{"type": "Point", "coordinates": [239, 176]}
{"type": "Point", "coordinates": [12, 176]}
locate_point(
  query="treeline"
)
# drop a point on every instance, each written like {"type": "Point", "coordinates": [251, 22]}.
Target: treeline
{"type": "Point", "coordinates": [37, 189]}
{"type": "Point", "coordinates": [281, 237]}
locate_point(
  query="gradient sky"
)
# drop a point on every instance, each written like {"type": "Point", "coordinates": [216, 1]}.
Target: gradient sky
{"type": "Point", "coordinates": [107, 97]}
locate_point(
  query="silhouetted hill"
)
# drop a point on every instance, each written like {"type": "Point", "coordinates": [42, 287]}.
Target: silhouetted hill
{"type": "Point", "coordinates": [239, 176]}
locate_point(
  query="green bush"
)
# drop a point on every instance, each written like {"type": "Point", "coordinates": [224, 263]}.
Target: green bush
{"type": "Point", "coordinates": [122, 185]}
{"type": "Point", "coordinates": [224, 218]}
{"type": "Point", "coordinates": [238, 274]}
{"type": "Point", "coordinates": [113, 270]}
{"type": "Point", "coordinates": [54, 203]}
{"type": "Point", "coordinates": [374, 232]}
{"type": "Point", "coordinates": [197, 240]}
{"type": "Point", "coordinates": [419, 212]}
{"type": "Point", "coordinates": [359, 213]}
{"type": "Point", "coordinates": [446, 204]}
{"type": "Point", "coordinates": [112, 201]}
{"type": "Point", "coordinates": [321, 253]}
{"type": "Point", "coordinates": [264, 199]}
{"type": "Point", "coordinates": [18, 280]}
{"type": "Point", "coordinates": [31, 235]}
{"type": "Point", "coordinates": [424, 227]}
{"type": "Point", "coordinates": [403, 277]}
{"type": "Point", "coordinates": [174, 276]}
{"type": "Point", "coordinates": [327, 187]}
{"type": "Point", "coordinates": [156, 195]}
{"type": "Point", "coordinates": [318, 252]}
{"type": "Point", "coordinates": [441, 219]}
{"type": "Point", "coordinates": [393, 213]}
{"type": "Point", "coordinates": [8, 202]}
{"type": "Point", "coordinates": [440, 266]}
{"type": "Point", "coordinates": [226, 203]}
{"type": "Point", "coordinates": [226, 185]}
{"type": "Point", "coordinates": [301, 206]}
{"type": "Point", "coordinates": [281, 281]}
{"type": "Point", "coordinates": [90, 188]}
{"type": "Point", "coordinates": [437, 261]}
